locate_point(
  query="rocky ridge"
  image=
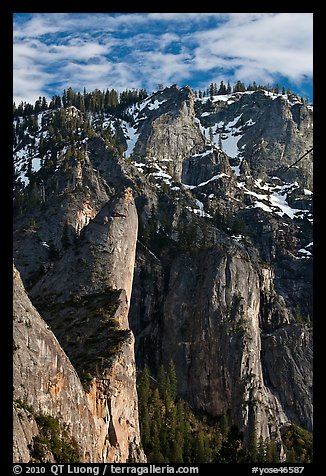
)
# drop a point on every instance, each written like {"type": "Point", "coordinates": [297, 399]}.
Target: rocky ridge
{"type": "Point", "coordinates": [223, 273]}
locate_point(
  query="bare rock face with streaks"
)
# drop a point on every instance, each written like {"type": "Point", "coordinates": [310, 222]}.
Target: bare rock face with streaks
{"type": "Point", "coordinates": [86, 298]}
{"type": "Point", "coordinates": [180, 228]}
{"type": "Point", "coordinates": [45, 383]}
{"type": "Point", "coordinates": [170, 133]}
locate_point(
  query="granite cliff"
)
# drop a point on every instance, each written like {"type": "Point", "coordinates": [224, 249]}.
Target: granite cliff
{"type": "Point", "coordinates": [91, 323]}
{"type": "Point", "coordinates": [179, 223]}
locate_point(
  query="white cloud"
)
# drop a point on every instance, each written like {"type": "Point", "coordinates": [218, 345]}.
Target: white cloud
{"type": "Point", "coordinates": [270, 44]}
{"type": "Point", "coordinates": [144, 49]}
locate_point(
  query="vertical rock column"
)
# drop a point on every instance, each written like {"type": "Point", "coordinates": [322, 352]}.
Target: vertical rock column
{"type": "Point", "coordinates": [113, 396]}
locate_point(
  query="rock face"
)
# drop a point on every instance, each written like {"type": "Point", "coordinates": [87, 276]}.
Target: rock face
{"type": "Point", "coordinates": [170, 133]}
{"type": "Point", "coordinates": [65, 202]}
{"type": "Point", "coordinates": [105, 254]}
{"type": "Point", "coordinates": [112, 399]}
{"type": "Point", "coordinates": [287, 357]}
{"type": "Point", "coordinates": [197, 240]}
{"type": "Point", "coordinates": [273, 132]}
{"type": "Point", "coordinates": [45, 382]}
{"type": "Point", "coordinates": [210, 325]}
{"type": "Point", "coordinates": [90, 294]}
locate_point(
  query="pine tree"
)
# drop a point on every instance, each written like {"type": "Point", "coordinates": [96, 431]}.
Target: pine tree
{"type": "Point", "coordinates": [157, 404]}
{"type": "Point", "coordinates": [156, 455]}
{"type": "Point", "coordinates": [261, 450]}
{"type": "Point", "coordinates": [176, 453]}
{"type": "Point", "coordinates": [200, 448]}
{"type": "Point", "coordinates": [145, 427]}
{"type": "Point", "coordinates": [44, 104]}
{"type": "Point", "coordinates": [173, 380]}
{"type": "Point", "coordinates": [290, 456]}
{"type": "Point", "coordinates": [272, 454]}
{"type": "Point", "coordinates": [211, 90]}
{"type": "Point", "coordinates": [64, 98]}
{"type": "Point", "coordinates": [222, 89]}
{"type": "Point", "coordinates": [161, 379]}
{"type": "Point", "coordinates": [253, 447]}
{"type": "Point", "coordinates": [224, 424]}
{"type": "Point", "coordinates": [37, 106]}
{"type": "Point", "coordinates": [187, 443]}
{"type": "Point", "coordinates": [71, 97]}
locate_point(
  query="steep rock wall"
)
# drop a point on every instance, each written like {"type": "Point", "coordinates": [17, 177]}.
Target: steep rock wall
{"type": "Point", "coordinates": [89, 291]}
{"type": "Point", "coordinates": [45, 381]}
{"type": "Point", "coordinates": [218, 355]}
{"type": "Point", "coordinates": [219, 306]}
{"type": "Point", "coordinates": [171, 134]}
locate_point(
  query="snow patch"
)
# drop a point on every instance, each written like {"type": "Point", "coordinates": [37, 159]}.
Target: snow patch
{"type": "Point", "coordinates": [161, 174]}
{"type": "Point", "coordinates": [237, 237]}
{"type": "Point", "coordinates": [156, 104]}
{"type": "Point", "coordinates": [216, 177]}
{"type": "Point", "coordinates": [131, 135]}
{"type": "Point", "coordinates": [305, 252]}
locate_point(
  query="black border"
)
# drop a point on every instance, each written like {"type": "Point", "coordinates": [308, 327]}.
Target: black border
{"type": "Point", "coordinates": [6, 33]}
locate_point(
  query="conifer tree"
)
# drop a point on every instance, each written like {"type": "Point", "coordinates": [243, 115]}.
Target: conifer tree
{"type": "Point", "coordinates": [261, 450]}
{"type": "Point", "coordinates": [200, 449]}
{"type": "Point", "coordinates": [224, 424]}
{"type": "Point", "coordinates": [161, 379]}
{"type": "Point", "coordinates": [290, 456]}
{"type": "Point", "coordinates": [222, 89]}
{"type": "Point", "coordinates": [253, 447]}
{"type": "Point", "coordinates": [44, 104]}
{"type": "Point", "coordinates": [173, 380]}
{"type": "Point", "coordinates": [272, 454]}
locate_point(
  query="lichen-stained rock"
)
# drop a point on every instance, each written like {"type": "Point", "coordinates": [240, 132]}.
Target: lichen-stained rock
{"type": "Point", "coordinates": [45, 382]}
{"type": "Point", "coordinates": [200, 168]}
{"type": "Point", "coordinates": [275, 131]}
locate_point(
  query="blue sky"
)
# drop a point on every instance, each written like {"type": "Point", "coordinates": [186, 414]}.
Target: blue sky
{"type": "Point", "coordinates": [53, 51]}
